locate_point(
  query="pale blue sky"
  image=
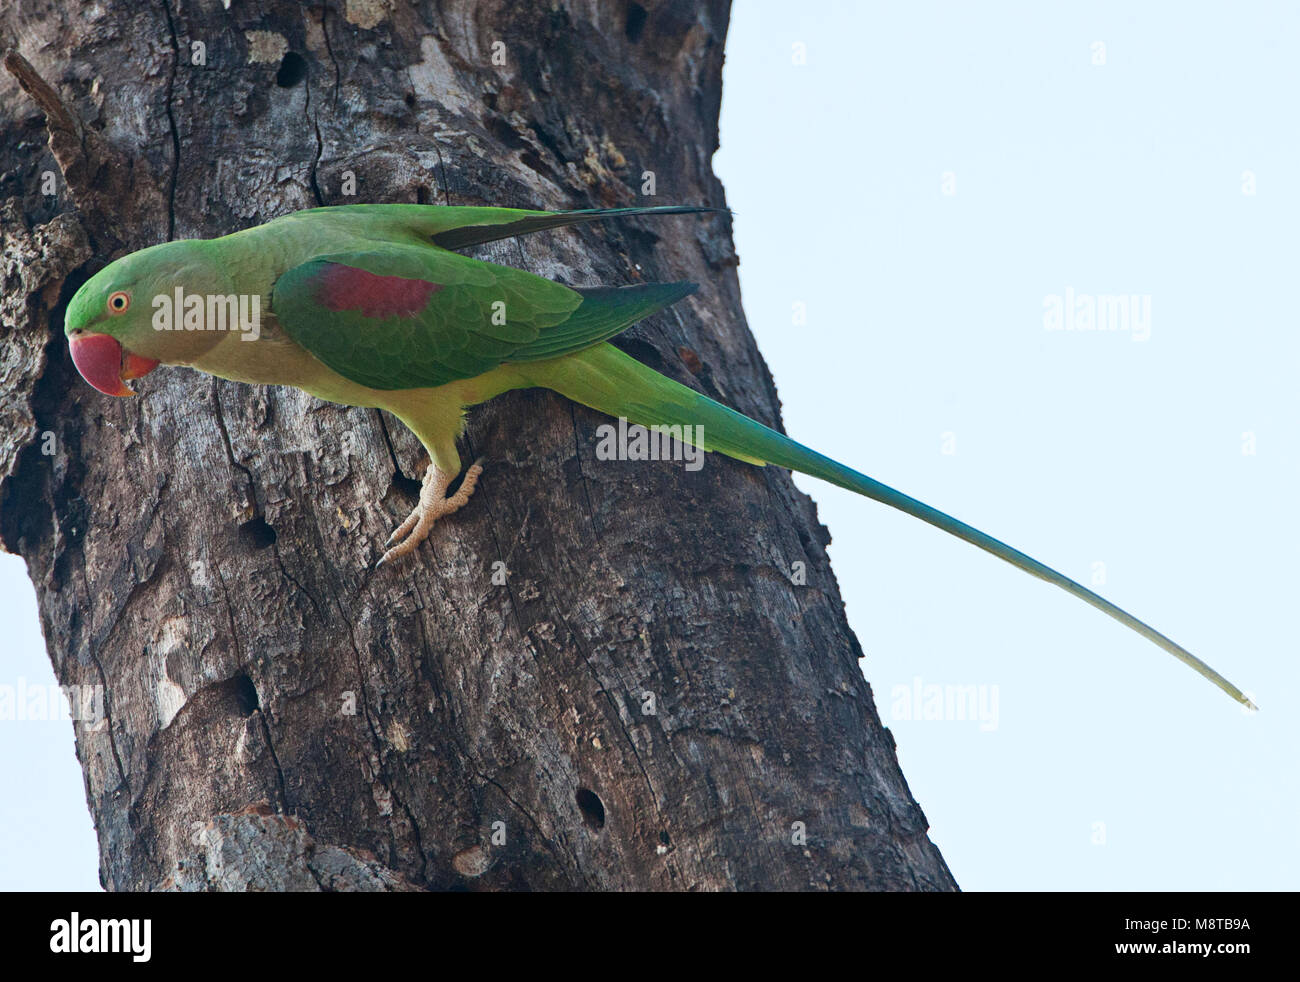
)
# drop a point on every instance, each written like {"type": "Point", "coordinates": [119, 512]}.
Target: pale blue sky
{"type": "Point", "coordinates": [925, 318]}
{"type": "Point", "coordinates": [924, 332]}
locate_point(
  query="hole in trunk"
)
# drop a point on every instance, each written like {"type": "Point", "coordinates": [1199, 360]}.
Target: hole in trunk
{"type": "Point", "coordinates": [636, 15]}
{"type": "Point", "coordinates": [245, 695]}
{"type": "Point", "coordinates": [256, 534]}
{"type": "Point", "coordinates": [293, 69]}
{"type": "Point", "coordinates": [593, 810]}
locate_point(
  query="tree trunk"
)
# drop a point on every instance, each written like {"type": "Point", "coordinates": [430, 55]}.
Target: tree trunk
{"type": "Point", "coordinates": [598, 675]}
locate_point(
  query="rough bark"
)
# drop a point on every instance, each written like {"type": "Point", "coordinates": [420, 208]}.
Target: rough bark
{"type": "Point", "coordinates": [646, 702]}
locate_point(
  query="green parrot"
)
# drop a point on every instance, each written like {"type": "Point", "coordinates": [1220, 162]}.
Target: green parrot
{"type": "Point", "coordinates": [368, 305]}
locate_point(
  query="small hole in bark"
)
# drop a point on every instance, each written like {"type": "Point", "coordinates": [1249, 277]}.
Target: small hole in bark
{"type": "Point", "coordinates": [293, 69]}
{"type": "Point", "coordinates": [535, 163]}
{"type": "Point", "coordinates": [504, 132]}
{"type": "Point", "coordinates": [408, 486]}
{"type": "Point", "coordinates": [409, 99]}
{"type": "Point", "coordinates": [643, 351]}
{"type": "Point", "coordinates": [256, 534]}
{"type": "Point", "coordinates": [593, 811]}
{"type": "Point", "coordinates": [246, 695]}
{"type": "Point", "coordinates": [635, 22]}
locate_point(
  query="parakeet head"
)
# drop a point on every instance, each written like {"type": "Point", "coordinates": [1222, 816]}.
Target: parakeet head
{"type": "Point", "coordinates": [111, 325]}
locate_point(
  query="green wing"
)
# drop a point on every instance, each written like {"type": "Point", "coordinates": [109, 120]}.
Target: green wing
{"type": "Point", "coordinates": [490, 224]}
{"type": "Point", "coordinates": [604, 312]}
{"type": "Point", "coordinates": [404, 317]}
{"type": "Point", "coordinates": [456, 226]}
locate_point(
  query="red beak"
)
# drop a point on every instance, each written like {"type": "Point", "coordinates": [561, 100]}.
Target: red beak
{"type": "Point", "coordinates": [100, 360]}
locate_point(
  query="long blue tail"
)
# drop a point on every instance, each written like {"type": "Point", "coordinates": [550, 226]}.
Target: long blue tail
{"type": "Point", "coordinates": [610, 381]}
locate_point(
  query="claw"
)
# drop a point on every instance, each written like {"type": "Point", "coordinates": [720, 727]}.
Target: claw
{"type": "Point", "coordinates": [433, 505]}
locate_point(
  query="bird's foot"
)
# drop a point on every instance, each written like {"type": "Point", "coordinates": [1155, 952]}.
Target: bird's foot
{"type": "Point", "coordinates": [434, 504]}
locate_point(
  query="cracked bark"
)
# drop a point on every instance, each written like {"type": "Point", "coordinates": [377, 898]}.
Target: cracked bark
{"type": "Point", "coordinates": [279, 716]}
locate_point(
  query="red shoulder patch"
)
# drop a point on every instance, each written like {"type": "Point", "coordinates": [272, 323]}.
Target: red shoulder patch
{"type": "Point", "coordinates": [349, 288]}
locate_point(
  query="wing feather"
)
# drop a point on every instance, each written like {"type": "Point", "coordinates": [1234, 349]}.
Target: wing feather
{"type": "Point", "coordinates": [412, 317]}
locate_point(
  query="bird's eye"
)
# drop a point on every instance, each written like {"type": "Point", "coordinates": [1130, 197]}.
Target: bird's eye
{"type": "Point", "coordinates": [118, 302]}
